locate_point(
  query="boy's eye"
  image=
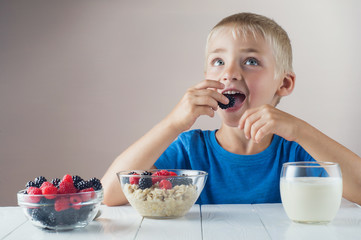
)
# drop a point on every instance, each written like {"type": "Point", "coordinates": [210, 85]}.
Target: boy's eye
{"type": "Point", "coordinates": [218, 62]}
{"type": "Point", "coordinates": [251, 61]}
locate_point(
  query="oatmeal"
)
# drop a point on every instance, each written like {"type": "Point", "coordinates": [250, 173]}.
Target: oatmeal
{"type": "Point", "coordinates": [158, 202]}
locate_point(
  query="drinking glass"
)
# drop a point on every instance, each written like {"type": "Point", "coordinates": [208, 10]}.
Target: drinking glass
{"type": "Point", "coordinates": [311, 192]}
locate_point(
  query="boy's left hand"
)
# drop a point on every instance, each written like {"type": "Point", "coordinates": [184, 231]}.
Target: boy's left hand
{"type": "Point", "coordinates": [266, 119]}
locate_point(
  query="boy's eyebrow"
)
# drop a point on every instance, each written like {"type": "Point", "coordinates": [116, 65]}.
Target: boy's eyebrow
{"type": "Point", "coordinates": [218, 50]}
{"type": "Point", "coordinates": [247, 50]}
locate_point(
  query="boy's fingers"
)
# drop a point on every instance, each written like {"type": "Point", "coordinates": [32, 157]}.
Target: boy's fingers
{"type": "Point", "coordinates": [248, 128]}
{"type": "Point", "coordinates": [206, 111]}
{"type": "Point", "coordinates": [245, 117]}
{"type": "Point", "coordinates": [206, 101]}
{"type": "Point", "coordinates": [214, 94]}
{"type": "Point", "coordinates": [262, 131]}
{"type": "Point", "coordinates": [209, 84]}
{"type": "Point", "coordinates": [257, 130]}
{"type": "Point", "coordinates": [250, 120]}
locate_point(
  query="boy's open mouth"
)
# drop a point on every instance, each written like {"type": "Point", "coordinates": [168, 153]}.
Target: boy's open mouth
{"type": "Point", "coordinates": [236, 99]}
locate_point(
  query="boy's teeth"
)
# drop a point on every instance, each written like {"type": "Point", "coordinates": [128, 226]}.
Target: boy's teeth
{"type": "Point", "coordinates": [230, 92]}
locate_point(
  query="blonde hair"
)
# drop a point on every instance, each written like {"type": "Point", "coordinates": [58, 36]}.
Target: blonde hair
{"type": "Point", "coordinates": [257, 25]}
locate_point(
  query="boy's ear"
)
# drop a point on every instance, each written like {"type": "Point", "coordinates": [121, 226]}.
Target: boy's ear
{"type": "Point", "coordinates": [287, 84]}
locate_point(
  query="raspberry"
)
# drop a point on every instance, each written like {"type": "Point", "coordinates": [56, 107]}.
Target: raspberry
{"type": "Point", "coordinates": [89, 196]}
{"type": "Point", "coordinates": [173, 174]}
{"type": "Point", "coordinates": [34, 191]}
{"type": "Point", "coordinates": [75, 200]}
{"type": "Point", "coordinates": [134, 180]}
{"type": "Point", "coordinates": [61, 204]}
{"type": "Point", "coordinates": [165, 184]}
{"type": "Point", "coordinates": [66, 187]}
{"type": "Point", "coordinates": [68, 178]}
{"type": "Point", "coordinates": [232, 100]}
{"type": "Point", "coordinates": [46, 184]}
{"type": "Point", "coordinates": [163, 175]}
{"type": "Point", "coordinates": [49, 191]}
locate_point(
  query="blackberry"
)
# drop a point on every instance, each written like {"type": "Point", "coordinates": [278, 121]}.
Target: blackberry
{"type": "Point", "coordinates": [181, 181]}
{"type": "Point", "coordinates": [50, 220]}
{"type": "Point", "coordinates": [82, 185]}
{"type": "Point", "coordinates": [126, 179]}
{"type": "Point", "coordinates": [83, 212]}
{"type": "Point", "coordinates": [145, 182]}
{"type": "Point", "coordinates": [95, 183]}
{"type": "Point", "coordinates": [30, 184]}
{"type": "Point", "coordinates": [232, 100]}
{"type": "Point", "coordinates": [70, 216]}
{"type": "Point", "coordinates": [146, 173]}
{"type": "Point", "coordinates": [66, 217]}
{"type": "Point", "coordinates": [38, 215]}
{"type": "Point", "coordinates": [46, 202]}
{"type": "Point", "coordinates": [39, 180]}
{"type": "Point", "coordinates": [56, 182]}
{"type": "Point", "coordinates": [76, 179]}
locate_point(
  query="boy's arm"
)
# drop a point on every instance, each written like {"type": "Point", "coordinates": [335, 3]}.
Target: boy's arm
{"type": "Point", "coordinates": [323, 148]}
{"type": "Point", "coordinates": [199, 100]}
{"type": "Point", "coordinates": [264, 120]}
{"type": "Point", "coordinates": [141, 155]}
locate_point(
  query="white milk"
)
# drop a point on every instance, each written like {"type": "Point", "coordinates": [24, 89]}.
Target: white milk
{"type": "Point", "coordinates": [311, 199]}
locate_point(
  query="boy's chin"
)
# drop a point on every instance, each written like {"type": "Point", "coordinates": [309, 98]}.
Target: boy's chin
{"type": "Point", "coordinates": [231, 124]}
{"type": "Point", "coordinates": [230, 120]}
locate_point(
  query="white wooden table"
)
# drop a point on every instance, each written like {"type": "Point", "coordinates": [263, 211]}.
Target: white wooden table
{"type": "Point", "coordinates": [261, 221]}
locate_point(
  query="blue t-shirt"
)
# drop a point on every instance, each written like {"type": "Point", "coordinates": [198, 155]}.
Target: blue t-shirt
{"type": "Point", "coordinates": [232, 178]}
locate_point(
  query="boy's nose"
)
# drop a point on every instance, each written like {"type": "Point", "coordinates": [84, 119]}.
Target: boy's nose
{"type": "Point", "coordinates": [231, 74]}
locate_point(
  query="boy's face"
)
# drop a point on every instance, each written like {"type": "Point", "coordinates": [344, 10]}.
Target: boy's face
{"type": "Point", "coordinates": [247, 68]}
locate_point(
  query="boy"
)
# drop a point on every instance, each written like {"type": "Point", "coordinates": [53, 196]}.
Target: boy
{"type": "Point", "coordinates": [249, 61]}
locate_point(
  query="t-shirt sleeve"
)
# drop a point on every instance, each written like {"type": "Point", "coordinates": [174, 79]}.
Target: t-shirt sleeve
{"type": "Point", "coordinates": [175, 156]}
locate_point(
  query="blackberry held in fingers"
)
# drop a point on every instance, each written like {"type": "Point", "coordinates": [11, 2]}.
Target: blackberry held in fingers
{"type": "Point", "coordinates": [232, 100]}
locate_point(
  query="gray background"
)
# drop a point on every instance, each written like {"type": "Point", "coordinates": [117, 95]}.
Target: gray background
{"type": "Point", "coordinates": [82, 80]}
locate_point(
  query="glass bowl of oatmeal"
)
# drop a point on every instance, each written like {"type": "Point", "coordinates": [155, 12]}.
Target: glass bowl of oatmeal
{"type": "Point", "coordinates": [162, 193]}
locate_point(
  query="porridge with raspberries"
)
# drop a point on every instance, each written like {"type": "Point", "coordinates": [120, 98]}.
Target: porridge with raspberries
{"type": "Point", "coordinates": [163, 197]}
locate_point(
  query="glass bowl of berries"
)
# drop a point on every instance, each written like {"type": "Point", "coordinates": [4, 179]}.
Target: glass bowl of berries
{"type": "Point", "coordinates": [162, 193]}
{"type": "Point", "coordinates": [61, 204]}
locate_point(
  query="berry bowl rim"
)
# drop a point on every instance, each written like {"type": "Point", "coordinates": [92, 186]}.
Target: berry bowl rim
{"type": "Point", "coordinates": [21, 194]}
{"type": "Point", "coordinates": [201, 173]}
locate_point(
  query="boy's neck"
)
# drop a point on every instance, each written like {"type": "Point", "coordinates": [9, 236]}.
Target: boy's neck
{"type": "Point", "coordinates": [233, 140]}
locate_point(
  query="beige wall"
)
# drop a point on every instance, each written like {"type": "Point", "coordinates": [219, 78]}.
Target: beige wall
{"type": "Point", "coordinates": [82, 80]}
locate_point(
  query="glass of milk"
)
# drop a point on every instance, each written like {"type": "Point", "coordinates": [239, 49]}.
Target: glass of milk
{"type": "Point", "coordinates": [311, 192]}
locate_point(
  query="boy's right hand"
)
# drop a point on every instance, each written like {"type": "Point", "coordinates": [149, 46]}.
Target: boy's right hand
{"type": "Point", "coordinates": [202, 99]}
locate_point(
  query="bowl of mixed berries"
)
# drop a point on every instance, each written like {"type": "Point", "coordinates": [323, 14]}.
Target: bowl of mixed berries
{"type": "Point", "coordinates": [162, 193]}
{"type": "Point", "coordinates": [61, 204]}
